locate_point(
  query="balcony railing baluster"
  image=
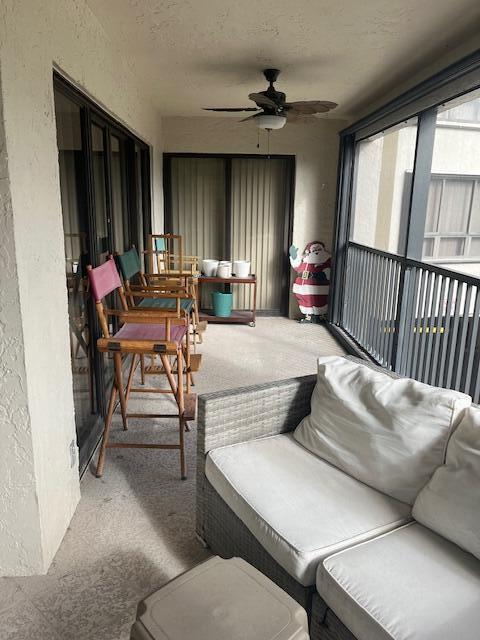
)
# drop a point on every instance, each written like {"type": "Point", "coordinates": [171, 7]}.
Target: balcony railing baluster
{"type": "Point", "coordinates": [433, 324]}
{"type": "Point", "coordinates": [473, 346]}
{"type": "Point", "coordinates": [439, 328]}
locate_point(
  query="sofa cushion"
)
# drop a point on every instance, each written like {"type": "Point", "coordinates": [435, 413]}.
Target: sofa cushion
{"type": "Point", "coordinates": [409, 584]}
{"type": "Point", "coordinates": [388, 432]}
{"type": "Point", "coordinates": [450, 502]}
{"type": "Point", "coordinates": [297, 506]}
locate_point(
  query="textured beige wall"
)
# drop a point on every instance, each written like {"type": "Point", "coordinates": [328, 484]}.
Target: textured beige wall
{"type": "Point", "coordinates": [314, 145]}
{"type": "Point", "coordinates": [17, 477]}
{"type": "Point", "coordinates": [39, 486]}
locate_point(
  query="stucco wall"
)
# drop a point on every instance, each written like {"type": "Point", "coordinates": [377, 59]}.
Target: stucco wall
{"type": "Point", "coordinates": [37, 504]}
{"type": "Point", "coordinates": [314, 145]}
{"type": "Point", "coordinates": [16, 471]}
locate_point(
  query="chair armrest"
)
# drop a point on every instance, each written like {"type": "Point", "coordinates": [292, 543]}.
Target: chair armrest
{"type": "Point", "coordinates": [140, 315]}
{"type": "Point", "coordinates": [153, 347]}
{"type": "Point", "coordinates": [170, 277]}
{"type": "Point", "coordinates": [157, 294]}
{"type": "Point", "coordinates": [164, 285]}
{"type": "Point", "coordinates": [248, 413]}
{"type": "Point", "coordinates": [161, 286]}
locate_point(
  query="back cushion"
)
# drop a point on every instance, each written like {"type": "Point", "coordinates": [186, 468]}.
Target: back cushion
{"type": "Point", "coordinates": [390, 433]}
{"type": "Point", "coordinates": [450, 502]}
{"type": "Point", "coordinates": [129, 264]}
{"type": "Point", "coordinates": [104, 279]}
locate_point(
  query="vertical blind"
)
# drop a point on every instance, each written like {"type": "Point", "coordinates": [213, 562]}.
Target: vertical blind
{"type": "Point", "coordinates": [198, 205]}
{"type": "Point", "coordinates": [258, 221]}
{"type": "Point", "coordinates": [255, 217]}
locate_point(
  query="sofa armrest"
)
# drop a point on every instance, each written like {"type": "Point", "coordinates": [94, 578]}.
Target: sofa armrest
{"type": "Point", "coordinates": [247, 413]}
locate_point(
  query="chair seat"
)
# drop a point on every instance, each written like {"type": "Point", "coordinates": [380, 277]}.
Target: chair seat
{"type": "Point", "coordinates": [133, 331]}
{"type": "Point", "coordinates": [299, 508]}
{"type": "Point", "coordinates": [167, 303]}
{"type": "Point", "coordinates": [409, 584]}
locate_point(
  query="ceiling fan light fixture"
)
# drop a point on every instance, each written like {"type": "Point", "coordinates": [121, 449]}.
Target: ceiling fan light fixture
{"type": "Point", "coordinates": [269, 121]}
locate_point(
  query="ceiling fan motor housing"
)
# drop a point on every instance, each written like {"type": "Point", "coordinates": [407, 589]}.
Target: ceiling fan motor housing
{"type": "Point", "coordinates": [278, 97]}
{"type": "Point", "coordinates": [271, 75]}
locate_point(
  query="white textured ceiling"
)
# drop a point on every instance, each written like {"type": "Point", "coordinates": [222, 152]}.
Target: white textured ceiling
{"type": "Point", "coordinates": [197, 53]}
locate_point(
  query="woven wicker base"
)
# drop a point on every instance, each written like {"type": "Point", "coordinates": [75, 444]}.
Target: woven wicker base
{"type": "Point", "coordinates": [241, 415]}
{"type": "Point", "coordinates": [227, 536]}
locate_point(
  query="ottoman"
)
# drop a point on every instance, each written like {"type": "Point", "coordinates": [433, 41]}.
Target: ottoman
{"type": "Point", "coordinates": [220, 600]}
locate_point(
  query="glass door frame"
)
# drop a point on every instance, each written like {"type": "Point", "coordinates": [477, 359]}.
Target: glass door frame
{"type": "Point", "coordinates": [92, 114]}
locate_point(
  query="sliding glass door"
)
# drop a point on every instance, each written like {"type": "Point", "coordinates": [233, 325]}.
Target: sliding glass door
{"type": "Point", "coordinates": [104, 185]}
{"type": "Point", "coordinates": [77, 255]}
{"type": "Point", "coordinates": [235, 208]}
{"type": "Point", "coordinates": [119, 184]}
{"type": "Point", "coordinates": [99, 170]}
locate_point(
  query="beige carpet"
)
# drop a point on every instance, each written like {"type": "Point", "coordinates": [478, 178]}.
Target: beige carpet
{"type": "Point", "coordinates": [134, 528]}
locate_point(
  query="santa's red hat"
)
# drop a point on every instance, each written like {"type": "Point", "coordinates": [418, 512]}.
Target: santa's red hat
{"type": "Point", "coordinates": [310, 245]}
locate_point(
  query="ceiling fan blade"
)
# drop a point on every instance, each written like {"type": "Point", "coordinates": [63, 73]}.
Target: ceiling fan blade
{"type": "Point", "coordinates": [251, 117]}
{"type": "Point", "coordinates": [262, 101]}
{"type": "Point", "coordinates": [299, 118]}
{"type": "Point", "coordinates": [309, 107]}
{"type": "Point", "coordinates": [230, 109]}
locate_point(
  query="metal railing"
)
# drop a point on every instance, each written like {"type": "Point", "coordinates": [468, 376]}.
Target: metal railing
{"type": "Point", "coordinates": [370, 300]}
{"type": "Point", "coordinates": [415, 318]}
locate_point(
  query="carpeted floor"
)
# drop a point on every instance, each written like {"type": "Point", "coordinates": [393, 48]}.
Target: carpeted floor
{"type": "Point", "coordinates": [134, 528]}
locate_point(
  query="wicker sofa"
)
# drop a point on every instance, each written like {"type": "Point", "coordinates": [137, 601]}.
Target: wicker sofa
{"type": "Point", "coordinates": [247, 415]}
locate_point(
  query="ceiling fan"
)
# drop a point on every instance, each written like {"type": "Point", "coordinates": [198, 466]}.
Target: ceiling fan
{"type": "Point", "coordinates": [273, 111]}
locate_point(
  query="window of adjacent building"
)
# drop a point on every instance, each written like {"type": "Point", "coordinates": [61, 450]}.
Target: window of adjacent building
{"type": "Point", "coordinates": [452, 223]}
{"type": "Point", "coordinates": [383, 170]}
{"type": "Point", "coordinates": [452, 227]}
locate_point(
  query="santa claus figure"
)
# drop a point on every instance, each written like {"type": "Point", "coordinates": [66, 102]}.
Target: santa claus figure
{"type": "Point", "coordinates": [313, 280]}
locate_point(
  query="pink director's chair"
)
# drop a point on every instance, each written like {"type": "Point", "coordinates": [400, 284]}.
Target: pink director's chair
{"type": "Point", "coordinates": [144, 332]}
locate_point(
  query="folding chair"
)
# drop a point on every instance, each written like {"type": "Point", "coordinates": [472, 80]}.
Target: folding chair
{"type": "Point", "coordinates": [166, 294]}
{"type": "Point", "coordinates": [165, 258]}
{"type": "Point", "coordinates": [144, 332]}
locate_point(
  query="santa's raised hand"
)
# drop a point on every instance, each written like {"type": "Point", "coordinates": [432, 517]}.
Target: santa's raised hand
{"type": "Point", "coordinates": [295, 259]}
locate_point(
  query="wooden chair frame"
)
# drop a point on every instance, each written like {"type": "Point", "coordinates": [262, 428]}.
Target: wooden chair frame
{"type": "Point", "coordinates": [167, 289]}
{"type": "Point", "coordinates": [170, 262]}
{"type": "Point", "coordinates": [162, 283]}
{"type": "Point", "coordinates": [166, 349]}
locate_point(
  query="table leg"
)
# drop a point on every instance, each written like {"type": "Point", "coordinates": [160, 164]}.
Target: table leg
{"type": "Point", "coordinates": [254, 303]}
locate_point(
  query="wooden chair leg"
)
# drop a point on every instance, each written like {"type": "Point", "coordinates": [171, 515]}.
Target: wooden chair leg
{"type": "Point", "coordinates": [181, 409]}
{"type": "Point", "coordinates": [142, 369]}
{"type": "Point", "coordinates": [181, 435]}
{"type": "Point", "coordinates": [181, 404]}
{"type": "Point", "coordinates": [195, 306]}
{"type": "Point", "coordinates": [168, 371]}
{"type": "Point", "coordinates": [117, 357]}
{"type": "Point", "coordinates": [193, 325]}
{"type": "Point", "coordinates": [188, 375]}
{"type": "Point", "coordinates": [106, 431]}
{"type": "Point", "coordinates": [131, 373]}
